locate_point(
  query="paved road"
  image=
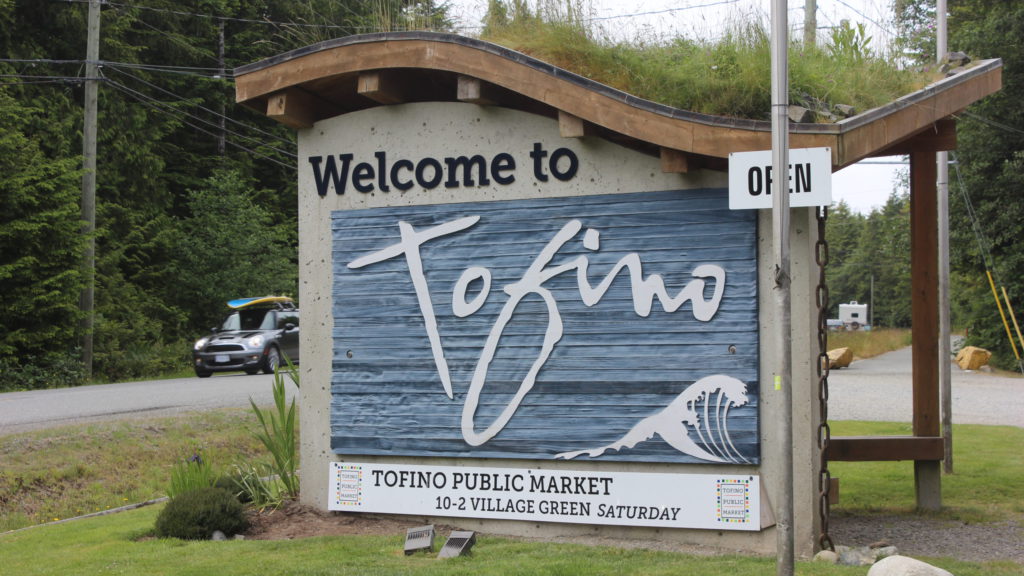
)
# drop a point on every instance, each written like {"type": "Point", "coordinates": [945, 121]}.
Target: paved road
{"type": "Point", "coordinates": [24, 411]}
{"type": "Point", "coordinates": [879, 389]}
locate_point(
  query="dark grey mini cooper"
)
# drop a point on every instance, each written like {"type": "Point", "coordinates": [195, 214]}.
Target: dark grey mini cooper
{"type": "Point", "coordinates": [257, 334]}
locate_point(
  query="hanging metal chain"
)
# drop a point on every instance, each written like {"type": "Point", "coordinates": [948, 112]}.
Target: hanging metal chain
{"type": "Point", "coordinates": [824, 431]}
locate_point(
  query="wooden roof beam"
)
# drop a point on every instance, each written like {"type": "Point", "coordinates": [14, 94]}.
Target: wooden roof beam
{"type": "Point", "coordinates": [383, 86]}
{"type": "Point", "coordinates": [941, 137]}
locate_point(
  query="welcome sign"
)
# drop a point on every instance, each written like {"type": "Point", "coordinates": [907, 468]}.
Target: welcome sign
{"type": "Point", "coordinates": [619, 327]}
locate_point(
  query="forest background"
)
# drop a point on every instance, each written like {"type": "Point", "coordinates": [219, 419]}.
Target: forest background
{"type": "Point", "coordinates": [196, 197]}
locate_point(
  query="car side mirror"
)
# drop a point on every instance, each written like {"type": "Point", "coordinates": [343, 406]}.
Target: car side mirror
{"type": "Point", "coordinates": [289, 327]}
{"type": "Point", "coordinates": [214, 329]}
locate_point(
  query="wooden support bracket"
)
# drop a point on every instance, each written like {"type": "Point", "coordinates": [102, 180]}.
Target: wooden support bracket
{"type": "Point", "coordinates": [383, 87]}
{"type": "Point", "coordinates": [476, 91]}
{"type": "Point", "coordinates": [570, 126]}
{"type": "Point", "coordinates": [293, 107]}
{"type": "Point", "coordinates": [675, 161]}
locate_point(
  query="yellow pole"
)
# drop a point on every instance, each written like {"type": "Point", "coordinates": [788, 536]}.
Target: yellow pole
{"type": "Point", "coordinates": [1012, 317]}
{"type": "Point", "coordinates": [1002, 315]}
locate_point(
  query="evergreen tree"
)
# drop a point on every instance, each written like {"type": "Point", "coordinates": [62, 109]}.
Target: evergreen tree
{"type": "Point", "coordinates": [40, 243]}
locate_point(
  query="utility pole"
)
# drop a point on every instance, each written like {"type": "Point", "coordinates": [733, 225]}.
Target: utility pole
{"type": "Point", "coordinates": [942, 189]}
{"type": "Point", "coordinates": [87, 301]}
{"type": "Point", "coordinates": [785, 549]}
{"type": "Point", "coordinates": [810, 22]}
{"type": "Point", "coordinates": [220, 65]}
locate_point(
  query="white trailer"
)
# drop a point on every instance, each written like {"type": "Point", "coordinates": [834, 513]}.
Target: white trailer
{"type": "Point", "coordinates": [853, 315]}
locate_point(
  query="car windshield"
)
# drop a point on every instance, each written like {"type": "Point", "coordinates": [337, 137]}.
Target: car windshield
{"type": "Point", "coordinates": [249, 320]}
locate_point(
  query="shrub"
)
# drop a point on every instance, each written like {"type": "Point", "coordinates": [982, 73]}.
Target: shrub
{"type": "Point", "coordinates": [58, 370]}
{"type": "Point", "coordinates": [197, 514]}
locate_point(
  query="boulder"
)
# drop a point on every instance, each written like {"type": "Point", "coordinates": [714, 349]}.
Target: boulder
{"type": "Point", "coordinates": [958, 59]}
{"type": "Point", "coordinates": [800, 115]}
{"type": "Point", "coordinates": [845, 110]}
{"type": "Point", "coordinates": [839, 358]}
{"type": "Point", "coordinates": [863, 556]}
{"type": "Point", "coordinates": [972, 358]}
{"type": "Point", "coordinates": [827, 556]}
{"type": "Point", "coordinates": [904, 566]}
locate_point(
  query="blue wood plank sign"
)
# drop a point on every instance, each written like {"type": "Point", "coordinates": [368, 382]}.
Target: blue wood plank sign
{"type": "Point", "coordinates": [611, 328]}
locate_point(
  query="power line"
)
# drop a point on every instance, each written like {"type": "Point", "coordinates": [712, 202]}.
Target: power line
{"type": "Point", "coordinates": [177, 115]}
{"type": "Point", "coordinates": [664, 11]}
{"type": "Point", "coordinates": [207, 110]}
{"type": "Point", "coordinates": [992, 123]}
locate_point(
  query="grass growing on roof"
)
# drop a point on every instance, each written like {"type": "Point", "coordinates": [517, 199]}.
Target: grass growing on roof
{"type": "Point", "coordinates": [729, 76]}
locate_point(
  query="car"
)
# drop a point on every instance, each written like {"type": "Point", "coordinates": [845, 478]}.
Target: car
{"type": "Point", "coordinates": [256, 335]}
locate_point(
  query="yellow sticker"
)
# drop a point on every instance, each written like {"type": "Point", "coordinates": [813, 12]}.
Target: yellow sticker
{"type": "Point", "coordinates": [778, 382]}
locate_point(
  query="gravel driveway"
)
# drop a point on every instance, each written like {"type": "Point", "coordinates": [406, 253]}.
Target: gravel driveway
{"type": "Point", "coordinates": [879, 389]}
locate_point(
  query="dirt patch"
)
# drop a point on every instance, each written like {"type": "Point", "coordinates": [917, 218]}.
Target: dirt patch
{"type": "Point", "coordinates": [293, 520]}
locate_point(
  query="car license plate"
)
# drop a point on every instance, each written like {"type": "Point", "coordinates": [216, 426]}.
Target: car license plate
{"type": "Point", "coordinates": [222, 358]}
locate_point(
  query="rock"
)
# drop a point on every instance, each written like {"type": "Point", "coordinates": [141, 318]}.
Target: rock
{"type": "Point", "coordinates": [958, 59]}
{"type": "Point", "coordinates": [972, 358]}
{"type": "Point", "coordinates": [856, 556]}
{"type": "Point", "coordinates": [840, 358]}
{"type": "Point", "coordinates": [904, 566]}
{"type": "Point", "coordinates": [800, 115]}
{"type": "Point", "coordinates": [885, 552]}
{"type": "Point", "coordinates": [845, 110]}
{"type": "Point", "coordinates": [218, 536]}
{"type": "Point", "coordinates": [826, 556]}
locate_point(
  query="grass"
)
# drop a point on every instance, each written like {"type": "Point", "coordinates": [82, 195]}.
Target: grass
{"type": "Point", "coordinates": [866, 344]}
{"type": "Point", "coordinates": [65, 472]}
{"type": "Point", "coordinates": [729, 76]}
{"type": "Point", "coordinates": [81, 469]}
{"type": "Point", "coordinates": [114, 545]}
{"type": "Point", "coordinates": [985, 485]}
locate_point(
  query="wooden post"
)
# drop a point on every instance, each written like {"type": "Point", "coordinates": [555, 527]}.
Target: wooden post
{"type": "Point", "coordinates": [924, 318]}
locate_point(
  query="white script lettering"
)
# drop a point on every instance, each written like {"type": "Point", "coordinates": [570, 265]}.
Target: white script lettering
{"type": "Point", "coordinates": [644, 291]}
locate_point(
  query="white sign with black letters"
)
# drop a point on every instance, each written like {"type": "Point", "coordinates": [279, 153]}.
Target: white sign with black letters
{"type": "Point", "coordinates": [703, 501]}
{"type": "Point", "coordinates": [810, 178]}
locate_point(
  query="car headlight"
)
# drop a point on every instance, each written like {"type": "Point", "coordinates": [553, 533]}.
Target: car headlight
{"type": "Point", "coordinates": [256, 341]}
{"type": "Point", "coordinates": [201, 343]}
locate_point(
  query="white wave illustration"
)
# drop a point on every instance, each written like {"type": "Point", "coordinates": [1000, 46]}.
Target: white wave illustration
{"type": "Point", "coordinates": [692, 409]}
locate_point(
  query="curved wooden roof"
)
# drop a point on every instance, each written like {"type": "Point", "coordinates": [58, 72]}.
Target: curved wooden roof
{"type": "Point", "coordinates": [301, 87]}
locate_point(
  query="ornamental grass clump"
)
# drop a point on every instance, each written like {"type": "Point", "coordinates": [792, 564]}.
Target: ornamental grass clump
{"type": "Point", "coordinates": [278, 432]}
{"type": "Point", "coordinates": [197, 514]}
{"type": "Point", "coordinates": [192, 473]}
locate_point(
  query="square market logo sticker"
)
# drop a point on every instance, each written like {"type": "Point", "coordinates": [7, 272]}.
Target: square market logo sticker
{"type": "Point", "coordinates": [348, 485]}
{"type": "Point", "coordinates": [733, 500]}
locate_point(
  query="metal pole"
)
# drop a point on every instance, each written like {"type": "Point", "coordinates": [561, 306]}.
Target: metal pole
{"type": "Point", "coordinates": [783, 321]}
{"type": "Point", "coordinates": [942, 186]}
{"type": "Point", "coordinates": [87, 301]}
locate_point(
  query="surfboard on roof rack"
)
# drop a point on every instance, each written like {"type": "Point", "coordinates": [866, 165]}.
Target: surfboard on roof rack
{"type": "Point", "coordinates": [258, 300]}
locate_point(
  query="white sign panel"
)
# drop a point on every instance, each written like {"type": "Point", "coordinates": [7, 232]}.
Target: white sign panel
{"type": "Point", "coordinates": [703, 501]}
{"type": "Point", "coordinates": [751, 179]}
